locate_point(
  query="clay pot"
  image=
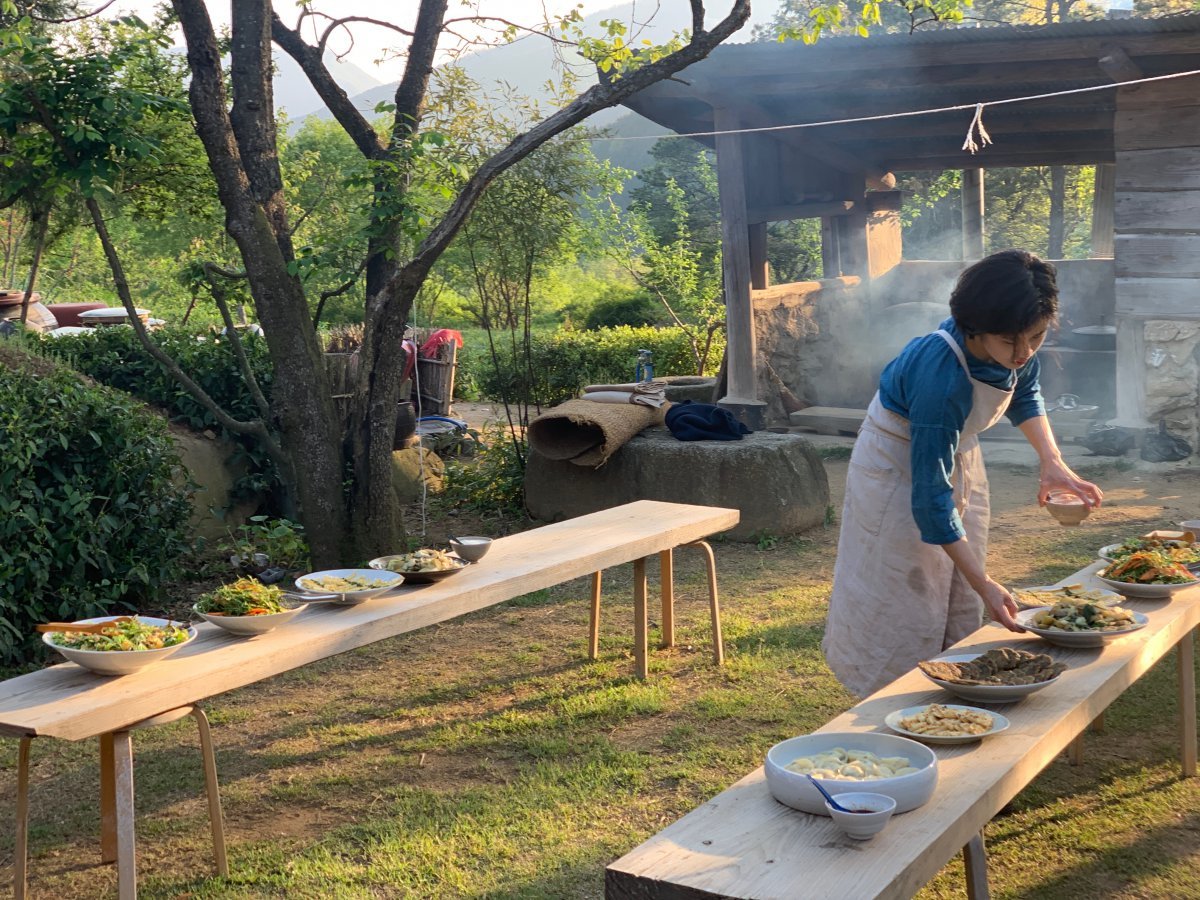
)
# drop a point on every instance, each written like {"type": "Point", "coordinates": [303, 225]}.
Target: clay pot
{"type": "Point", "coordinates": [1067, 509]}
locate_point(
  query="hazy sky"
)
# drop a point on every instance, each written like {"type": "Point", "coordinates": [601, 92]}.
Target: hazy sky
{"type": "Point", "coordinates": [371, 43]}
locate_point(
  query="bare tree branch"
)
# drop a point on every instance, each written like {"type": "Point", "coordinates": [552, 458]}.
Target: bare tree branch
{"type": "Point", "coordinates": [410, 95]}
{"type": "Point", "coordinates": [330, 92]}
{"type": "Point", "coordinates": [67, 21]}
{"type": "Point", "coordinates": [337, 291]}
{"type": "Point", "coordinates": [697, 16]}
{"type": "Point", "coordinates": [334, 24]}
{"type": "Point", "coordinates": [211, 271]}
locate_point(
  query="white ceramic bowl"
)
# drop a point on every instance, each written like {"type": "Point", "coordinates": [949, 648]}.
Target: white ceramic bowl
{"type": "Point", "coordinates": [1076, 638]}
{"type": "Point", "coordinates": [1144, 591]}
{"type": "Point", "coordinates": [892, 721]}
{"type": "Point", "coordinates": [119, 662]}
{"type": "Point", "coordinates": [871, 815]}
{"type": "Point", "coordinates": [1108, 598]}
{"type": "Point", "coordinates": [249, 625]}
{"type": "Point", "coordinates": [795, 790]}
{"type": "Point", "coordinates": [986, 693]}
{"type": "Point", "coordinates": [472, 548]}
{"type": "Point", "coordinates": [382, 581]}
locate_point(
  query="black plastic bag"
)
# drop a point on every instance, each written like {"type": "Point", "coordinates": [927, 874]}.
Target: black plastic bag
{"type": "Point", "coordinates": [1164, 447]}
{"type": "Point", "coordinates": [1109, 440]}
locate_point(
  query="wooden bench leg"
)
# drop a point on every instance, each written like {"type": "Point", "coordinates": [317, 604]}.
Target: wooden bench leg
{"type": "Point", "coordinates": [108, 801]}
{"type": "Point", "coordinates": [975, 860]}
{"type": "Point", "coordinates": [666, 569]}
{"type": "Point", "coordinates": [594, 634]}
{"type": "Point", "coordinates": [126, 843]}
{"type": "Point", "coordinates": [216, 823]}
{"type": "Point", "coordinates": [1098, 724]}
{"type": "Point", "coordinates": [640, 650]}
{"type": "Point", "coordinates": [1187, 704]}
{"type": "Point", "coordinates": [1075, 750]}
{"type": "Point", "coordinates": [21, 847]}
{"type": "Point", "coordinates": [714, 603]}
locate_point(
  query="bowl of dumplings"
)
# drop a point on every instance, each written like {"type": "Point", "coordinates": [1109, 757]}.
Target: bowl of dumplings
{"type": "Point", "coordinates": [846, 762]}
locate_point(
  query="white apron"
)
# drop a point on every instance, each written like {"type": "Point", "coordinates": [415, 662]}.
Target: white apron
{"type": "Point", "coordinates": [897, 600]}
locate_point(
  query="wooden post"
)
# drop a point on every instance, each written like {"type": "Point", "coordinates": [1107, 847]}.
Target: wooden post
{"type": "Point", "coordinates": [831, 255]}
{"type": "Point", "coordinates": [1103, 203]}
{"type": "Point", "coordinates": [740, 350]}
{"type": "Point", "coordinates": [1186, 658]}
{"type": "Point", "coordinates": [972, 213]}
{"type": "Point", "coordinates": [759, 274]}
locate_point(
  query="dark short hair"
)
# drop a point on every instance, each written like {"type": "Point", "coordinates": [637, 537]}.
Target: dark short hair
{"type": "Point", "coordinates": [1005, 293]}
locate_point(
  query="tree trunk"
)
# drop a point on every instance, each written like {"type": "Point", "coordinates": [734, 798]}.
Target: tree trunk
{"type": "Point", "coordinates": [41, 221]}
{"type": "Point", "coordinates": [1058, 194]}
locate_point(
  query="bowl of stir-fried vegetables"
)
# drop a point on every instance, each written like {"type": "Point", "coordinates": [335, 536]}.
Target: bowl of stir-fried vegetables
{"type": "Point", "coordinates": [1184, 553]}
{"type": "Point", "coordinates": [1073, 623]}
{"type": "Point", "coordinates": [246, 607]}
{"type": "Point", "coordinates": [126, 647]}
{"type": "Point", "coordinates": [421, 566]}
{"type": "Point", "coordinates": [1148, 574]}
{"type": "Point", "coordinates": [349, 586]}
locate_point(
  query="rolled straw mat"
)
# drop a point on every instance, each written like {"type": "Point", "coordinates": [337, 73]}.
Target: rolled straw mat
{"type": "Point", "coordinates": [588, 433]}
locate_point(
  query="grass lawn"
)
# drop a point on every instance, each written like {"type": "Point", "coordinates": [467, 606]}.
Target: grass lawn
{"type": "Point", "coordinates": [488, 758]}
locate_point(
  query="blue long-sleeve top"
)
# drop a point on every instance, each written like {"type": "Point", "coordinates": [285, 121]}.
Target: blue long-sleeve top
{"type": "Point", "coordinates": [926, 385]}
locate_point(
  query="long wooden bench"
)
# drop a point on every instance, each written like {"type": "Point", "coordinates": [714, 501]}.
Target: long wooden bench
{"type": "Point", "coordinates": [744, 844]}
{"type": "Point", "coordinates": [67, 702]}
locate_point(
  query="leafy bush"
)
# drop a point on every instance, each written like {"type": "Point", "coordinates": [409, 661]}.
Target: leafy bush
{"type": "Point", "coordinates": [92, 515]}
{"type": "Point", "coordinates": [636, 310]}
{"type": "Point", "coordinates": [564, 361]}
{"type": "Point", "coordinates": [113, 356]}
{"type": "Point", "coordinates": [494, 480]}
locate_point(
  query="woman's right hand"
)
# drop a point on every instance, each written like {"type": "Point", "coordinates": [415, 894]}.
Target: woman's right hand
{"type": "Point", "coordinates": [1000, 605]}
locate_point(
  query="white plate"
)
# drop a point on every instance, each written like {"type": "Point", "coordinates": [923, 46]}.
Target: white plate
{"type": "Point", "coordinates": [249, 625]}
{"type": "Point", "coordinates": [1145, 591]}
{"type": "Point", "coordinates": [1077, 638]}
{"type": "Point", "coordinates": [985, 693]}
{"type": "Point", "coordinates": [892, 721]}
{"type": "Point", "coordinates": [384, 582]}
{"type": "Point", "coordinates": [1106, 554]}
{"type": "Point", "coordinates": [1108, 599]}
{"type": "Point", "coordinates": [120, 662]}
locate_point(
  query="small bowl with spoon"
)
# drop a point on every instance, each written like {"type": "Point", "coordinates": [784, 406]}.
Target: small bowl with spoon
{"type": "Point", "coordinates": [860, 814]}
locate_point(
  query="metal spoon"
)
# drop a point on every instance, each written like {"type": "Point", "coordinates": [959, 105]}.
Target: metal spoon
{"type": "Point", "coordinates": [828, 796]}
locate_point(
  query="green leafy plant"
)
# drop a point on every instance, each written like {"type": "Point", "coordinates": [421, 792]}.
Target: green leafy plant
{"type": "Point", "coordinates": [281, 541]}
{"type": "Point", "coordinates": [764, 539]}
{"type": "Point", "coordinates": [93, 503]}
{"type": "Point", "coordinates": [494, 481]}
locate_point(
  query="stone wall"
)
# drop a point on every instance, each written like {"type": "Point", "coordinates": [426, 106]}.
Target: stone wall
{"type": "Point", "coordinates": [1172, 376]}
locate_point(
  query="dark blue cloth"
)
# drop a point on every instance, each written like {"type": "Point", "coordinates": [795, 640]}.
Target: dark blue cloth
{"type": "Point", "coordinates": [691, 421]}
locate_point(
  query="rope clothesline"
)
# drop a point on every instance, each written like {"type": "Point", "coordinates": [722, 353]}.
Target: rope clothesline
{"type": "Point", "coordinates": [975, 128]}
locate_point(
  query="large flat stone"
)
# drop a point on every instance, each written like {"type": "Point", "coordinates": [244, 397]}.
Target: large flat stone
{"type": "Point", "coordinates": [776, 480]}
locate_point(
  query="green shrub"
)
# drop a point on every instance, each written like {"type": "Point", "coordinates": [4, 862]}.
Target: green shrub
{"type": "Point", "coordinates": [493, 482]}
{"type": "Point", "coordinates": [636, 310]}
{"type": "Point", "coordinates": [113, 356]}
{"type": "Point", "coordinates": [92, 515]}
{"type": "Point", "coordinates": [562, 362]}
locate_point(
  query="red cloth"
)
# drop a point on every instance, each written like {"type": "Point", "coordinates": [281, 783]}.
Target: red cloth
{"type": "Point", "coordinates": [434, 342]}
{"type": "Point", "coordinates": [410, 358]}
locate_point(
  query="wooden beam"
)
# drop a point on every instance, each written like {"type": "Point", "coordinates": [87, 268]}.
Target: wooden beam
{"type": "Point", "coordinates": [759, 270]}
{"type": "Point", "coordinates": [972, 214]}
{"type": "Point", "coordinates": [1157, 210]}
{"type": "Point", "coordinates": [1000, 121]}
{"type": "Point", "coordinates": [1159, 255]}
{"type": "Point", "coordinates": [1157, 298]}
{"type": "Point", "coordinates": [789, 212]}
{"type": "Point", "coordinates": [740, 350]}
{"type": "Point", "coordinates": [1008, 144]}
{"type": "Point", "coordinates": [1117, 65]}
{"type": "Point", "coordinates": [1158, 170]}
{"type": "Point", "coordinates": [1103, 200]}
{"type": "Point", "coordinates": [810, 143]}
{"type": "Point", "coordinates": [1001, 160]}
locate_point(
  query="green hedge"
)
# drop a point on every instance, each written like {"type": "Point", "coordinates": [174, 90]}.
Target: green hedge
{"type": "Point", "coordinates": [115, 357]}
{"type": "Point", "coordinates": [93, 516]}
{"type": "Point", "coordinates": [562, 362]}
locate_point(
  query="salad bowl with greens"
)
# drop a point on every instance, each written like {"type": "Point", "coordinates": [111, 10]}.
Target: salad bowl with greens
{"type": "Point", "coordinates": [246, 607]}
{"type": "Point", "coordinates": [124, 647]}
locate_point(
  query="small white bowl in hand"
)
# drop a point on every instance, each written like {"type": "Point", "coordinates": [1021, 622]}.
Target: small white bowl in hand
{"type": "Point", "coordinates": [871, 813]}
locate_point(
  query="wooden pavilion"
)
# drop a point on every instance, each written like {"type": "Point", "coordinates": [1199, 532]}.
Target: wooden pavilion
{"type": "Point", "coordinates": [1143, 138]}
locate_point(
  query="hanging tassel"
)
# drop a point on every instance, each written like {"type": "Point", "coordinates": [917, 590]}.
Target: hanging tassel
{"type": "Point", "coordinates": [977, 126]}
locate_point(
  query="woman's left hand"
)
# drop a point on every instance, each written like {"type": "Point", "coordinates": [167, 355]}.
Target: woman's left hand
{"type": "Point", "coordinates": [1057, 476]}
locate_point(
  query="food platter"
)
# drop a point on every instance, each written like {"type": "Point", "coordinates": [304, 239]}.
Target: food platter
{"type": "Point", "coordinates": [1112, 552]}
{"type": "Point", "coordinates": [1092, 638]}
{"type": "Point", "coordinates": [423, 576]}
{"type": "Point", "coordinates": [1144, 591]}
{"type": "Point", "coordinates": [1046, 595]}
{"type": "Point", "coordinates": [339, 583]}
{"type": "Point", "coordinates": [894, 718]}
{"type": "Point", "coordinates": [991, 693]}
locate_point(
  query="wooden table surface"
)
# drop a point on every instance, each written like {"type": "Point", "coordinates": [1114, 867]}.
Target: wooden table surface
{"type": "Point", "coordinates": [66, 701]}
{"type": "Point", "coordinates": [744, 844]}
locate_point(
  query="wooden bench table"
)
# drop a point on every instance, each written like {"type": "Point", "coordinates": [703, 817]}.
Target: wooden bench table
{"type": "Point", "coordinates": [68, 702]}
{"type": "Point", "coordinates": [745, 844]}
